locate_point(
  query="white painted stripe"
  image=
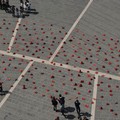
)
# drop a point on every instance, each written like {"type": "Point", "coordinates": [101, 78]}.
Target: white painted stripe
{"type": "Point", "coordinates": [15, 84]}
{"type": "Point", "coordinates": [14, 34]}
{"type": "Point", "coordinates": [94, 98]}
{"type": "Point", "coordinates": [70, 31]}
{"type": "Point", "coordinates": [61, 65]}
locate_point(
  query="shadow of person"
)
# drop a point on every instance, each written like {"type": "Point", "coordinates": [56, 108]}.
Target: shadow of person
{"type": "Point", "coordinates": [70, 109]}
{"type": "Point", "coordinates": [31, 12]}
{"type": "Point", "coordinates": [4, 92]}
{"type": "Point", "coordinates": [32, 9]}
{"type": "Point", "coordinates": [70, 117]}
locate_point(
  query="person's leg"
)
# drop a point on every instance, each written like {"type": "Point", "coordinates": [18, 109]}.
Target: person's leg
{"type": "Point", "coordinates": [63, 111]}
{"type": "Point", "coordinates": [79, 109]}
{"type": "Point", "coordinates": [0, 5]}
{"type": "Point", "coordinates": [1, 89]}
{"type": "Point", "coordinates": [55, 108]}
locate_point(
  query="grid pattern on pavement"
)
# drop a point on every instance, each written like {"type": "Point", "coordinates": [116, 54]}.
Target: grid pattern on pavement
{"type": "Point", "coordinates": [94, 43]}
{"type": "Point", "coordinates": [10, 69]}
{"type": "Point", "coordinates": [31, 98]}
{"type": "Point", "coordinates": [43, 79]}
{"type": "Point", "coordinates": [108, 106]}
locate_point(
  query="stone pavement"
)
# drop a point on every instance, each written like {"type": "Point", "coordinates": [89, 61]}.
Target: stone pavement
{"type": "Point", "coordinates": [10, 70]}
{"type": "Point", "coordinates": [93, 45]}
{"type": "Point", "coordinates": [108, 106]}
{"type": "Point", "coordinates": [43, 32]}
{"type": "Point", "coordinates": [31, 98]}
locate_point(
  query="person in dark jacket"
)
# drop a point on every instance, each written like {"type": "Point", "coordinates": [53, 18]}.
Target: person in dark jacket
{"type": "Point", "coordinates": [62, 104]}
{"type": "Point", "coordinates": [54, 103]}
{"type": "Point", "coordinates": [61, 100]}
{"type": "Point", "coordinates": [1, 87]}
{"type": "Point", "coordinates": [21, 11]}
{"type": "Point", "coordinates": [7, 3]}
{"type": "Point", "coordinates": [17, 12]}
{"type": "Point", "coordinates": [77, 106]}
{"type": "Point", "coordinates": [13, 10]}
{"type": "Point", "coordinates": [0, 4]}
{"type": "Point", "coordinates": [3, 4]}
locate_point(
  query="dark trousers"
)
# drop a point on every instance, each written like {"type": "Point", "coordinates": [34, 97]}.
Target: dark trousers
{"type": "Point", "coordinates": [1, 6]}
{"type": "Point", "coordinates": [62, 109]}
{"type": "Point", "coordinates": [78, 110]}
{"type": "Point", "coordinates": [1, 89]}
{"type": "Point", "coordinates": [55, 107]}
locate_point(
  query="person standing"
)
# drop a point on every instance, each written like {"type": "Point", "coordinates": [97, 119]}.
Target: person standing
{"type": "Point", "coordinates": [7, 3]}
{"type": "Point", "coordinates": [61, 100]}
{"type": "Point", "coordinates": [62, 109]}
{"type": "Point", "coordinates": [21, 11]}
{"type": "Point", "coordinates": [28, 4]}
{"type": "Point", "coordinates": [54, 103]}
{"type": "Point", "coordinates": [0, 4]}
{"type": "Point", "coordinates": [77, 106]}
{"type": "Point", "coordinates": [7, 6]}
{"type": "Point", "coordinates": [1, 87]}
{"type": "Point", "coordinates": [3, 4]}
{"type": "Point", "coordinates": [62, 104]}
{"type": "Point", "coordinates": [21, 3]}
{"type": "Point", "coordinates": [17, 12]}
{"type": "Point", "coordinates": [13, 11]}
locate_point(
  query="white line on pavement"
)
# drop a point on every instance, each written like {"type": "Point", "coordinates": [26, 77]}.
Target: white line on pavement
{"type": "Point", "coordinates": [16, 83]}
{"type": "Point", "coordinates": [70, 31]}
{"type": "Point", "coordinates": [94, 98]}
{"type": "Point", "coordinates": [61, 65]}
{"type": "Point", "coordinates": [14, 34]}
